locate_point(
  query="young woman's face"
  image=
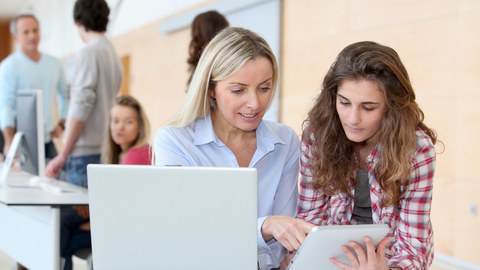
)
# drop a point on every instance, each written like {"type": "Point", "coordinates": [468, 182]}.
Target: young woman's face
{"type": "Point", "coordinates": [124, 126]}
{"type": "Point", "coordinates": [360, 106]}
{"type": "Point", "coordinates": [242, 99]}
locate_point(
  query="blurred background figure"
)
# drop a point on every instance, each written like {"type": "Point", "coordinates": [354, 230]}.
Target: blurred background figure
{"type": "Point", "coordinates": [94, 86]}
{"type": "Point", "coordinates": [204, 27]}
{"type": "Point", "coordinates": [129, 129]}
{"type": "Point", "coordinates": [28, 68]}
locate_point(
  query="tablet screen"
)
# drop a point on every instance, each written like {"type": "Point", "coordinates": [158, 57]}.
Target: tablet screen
{"type": "Point", "coordinates": [325, 242]}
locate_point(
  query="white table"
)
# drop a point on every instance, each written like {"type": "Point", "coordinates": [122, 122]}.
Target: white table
{"type": "Point", "coordinates": [30, 224]}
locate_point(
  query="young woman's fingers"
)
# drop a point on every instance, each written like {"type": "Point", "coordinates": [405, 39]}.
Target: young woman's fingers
{"type": "Point", "coordinates": [340, 264]}
{"type": "Point", "coordinates": [360, 253]}
{"type": "Point", "coordinates": [351, 255]}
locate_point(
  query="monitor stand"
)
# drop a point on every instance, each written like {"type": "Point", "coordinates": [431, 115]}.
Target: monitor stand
{"type": "Point", "coordinates": [10, 157]}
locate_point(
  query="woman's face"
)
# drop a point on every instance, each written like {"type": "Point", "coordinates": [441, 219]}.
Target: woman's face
{"type": "Point", "coordinates": [360, 106]}
{"type": "Point", "coordinates": [242, 99]}
{"type": "Point", "coordinates": [124, 126]}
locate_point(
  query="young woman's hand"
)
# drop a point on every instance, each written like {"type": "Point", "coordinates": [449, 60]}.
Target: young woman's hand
{"type": "Point", "coordinates": [371, 260]}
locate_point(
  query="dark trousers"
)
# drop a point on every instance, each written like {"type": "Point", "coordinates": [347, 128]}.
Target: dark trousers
{"type": "Point", "coordinates": [50, 151]}
{"type": "Point", "coordinates": [72, 237]}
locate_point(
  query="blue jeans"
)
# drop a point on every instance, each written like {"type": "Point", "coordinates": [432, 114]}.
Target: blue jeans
{"type": "Point", "coordinates": [72, 238]}
{"type": "Point", "coordinates": [76, 169]}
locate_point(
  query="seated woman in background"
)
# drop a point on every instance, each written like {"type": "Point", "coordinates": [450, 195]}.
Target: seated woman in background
{"type": "Point", "coordinates": [368, 157]}
{"type": "Point", "coordinates": [221, 124]}
{"type": "Point", "coordinates": [129, 130]}
{"type": "Point", "coordinates": [127, 143]}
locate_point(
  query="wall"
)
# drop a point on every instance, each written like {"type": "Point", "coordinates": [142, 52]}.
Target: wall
{"type": "Point", "coordinates": [5, 39]}
{"type": "Point", "coordinates": [59, 36]}
{"type": "Point", "coordinates": [158, 69]}
{"type": "Point", "coordinates": [440, 46]}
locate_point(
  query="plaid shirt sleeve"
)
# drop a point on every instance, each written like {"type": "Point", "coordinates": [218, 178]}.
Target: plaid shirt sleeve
{"type": "Point", "coordinates": [413, 245]}
{"type": "Point", "coordinates": [313, 204]}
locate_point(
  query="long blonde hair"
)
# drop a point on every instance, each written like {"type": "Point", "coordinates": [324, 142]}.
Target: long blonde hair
{"type": "Point", "coordinates": [111, 151]}
{"type": "Point", "coordinates": [332, 158]}
{"type": "Point", "coordinates": [226, 53]}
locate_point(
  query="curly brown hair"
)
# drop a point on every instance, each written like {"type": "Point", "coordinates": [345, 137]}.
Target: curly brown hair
{"type": "Point", "coordinates": [332, 153]}
{"type": "Point", "coordinates": [204, 27]}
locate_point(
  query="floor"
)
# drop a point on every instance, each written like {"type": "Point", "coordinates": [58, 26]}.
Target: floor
{"type": "Point", "coordinates": [6, 263]}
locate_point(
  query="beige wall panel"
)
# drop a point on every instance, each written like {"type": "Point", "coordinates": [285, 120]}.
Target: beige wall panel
{"type": "Point", "coordinates": [467, 222]}
{"type": "Point", "coordinates": [443, 215]}
{"type": "Point", "coordinates": [467, 141]}
{"type": "Point", "coordinates": [158, 69]}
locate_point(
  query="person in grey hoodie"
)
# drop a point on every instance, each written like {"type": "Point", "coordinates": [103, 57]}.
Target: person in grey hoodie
{"type": "Point", "coordinates": [96, 82]}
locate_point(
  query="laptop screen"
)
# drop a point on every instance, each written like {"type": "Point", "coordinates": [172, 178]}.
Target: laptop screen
{"type": "Point", "coordinates": [146, 217]}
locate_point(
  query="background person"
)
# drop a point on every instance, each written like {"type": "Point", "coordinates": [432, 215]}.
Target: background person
{"type": "Point", "coordinates": [204, 27]}
{"type": "Point", "coordinates": [367, 157]}
{"type": "Point", "coordinates": [28, 68]}
{"type": "Point", "coordinates": [126, 143]}
{"type": "Point", "coordinates": [95, 84]}
{"type": "Point", "coordinates": [129, 130]}
{"type": "Point", "coordinates": [221, 124]}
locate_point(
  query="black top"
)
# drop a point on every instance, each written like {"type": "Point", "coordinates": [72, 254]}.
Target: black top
{"type": "Point", "coordinates": [362, 210]}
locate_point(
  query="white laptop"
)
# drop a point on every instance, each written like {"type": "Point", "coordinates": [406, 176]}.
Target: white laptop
{"type": "Point", "coordinates": [325, 242]}
{"type": "Point", "coordinates": [145, 217]}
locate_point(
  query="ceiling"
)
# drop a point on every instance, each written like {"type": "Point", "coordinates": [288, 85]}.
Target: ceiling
{"type": "Point", "coordinates": [10, 8]}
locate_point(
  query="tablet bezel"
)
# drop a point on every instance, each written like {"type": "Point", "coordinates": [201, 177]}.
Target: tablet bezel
{"type": "Point", "coordinates": [325, 242]}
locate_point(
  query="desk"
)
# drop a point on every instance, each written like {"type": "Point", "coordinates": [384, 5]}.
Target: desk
{"type": "Point", "coordinates": [30, 224]}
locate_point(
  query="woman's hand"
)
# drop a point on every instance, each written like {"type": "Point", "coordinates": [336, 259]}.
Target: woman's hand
{"type": "Point", "coordinates": [288, 231]}
{"type": "Point", "coordinates": [286, 260]}
{"type": "Point", "coordinates": [371, 260]}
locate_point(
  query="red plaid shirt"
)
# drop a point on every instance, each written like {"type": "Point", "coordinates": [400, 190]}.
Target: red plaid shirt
{"type": "Point", "coordinates": [411, 232]}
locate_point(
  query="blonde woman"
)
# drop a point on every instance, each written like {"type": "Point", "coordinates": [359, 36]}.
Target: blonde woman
{"type": "Point", "coordinates": [221, 124]}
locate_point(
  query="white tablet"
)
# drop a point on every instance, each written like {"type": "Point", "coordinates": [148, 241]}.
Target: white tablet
{"type": "Point", "coordinates": [325, 242]}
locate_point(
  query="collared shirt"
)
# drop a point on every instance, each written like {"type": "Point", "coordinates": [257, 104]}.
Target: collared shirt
{"type": "Point", "coordinates": [276, 161]}
{"type": "Point", "coordinates": [18, 72]}
{"type": "Point", "coordinates": [411, 246]}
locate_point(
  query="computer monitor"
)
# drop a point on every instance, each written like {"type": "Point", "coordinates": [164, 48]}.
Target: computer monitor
{"type": "Point", "coordinates": [30, 123]}
{"type": "Point", "coordinates": [28, 145]}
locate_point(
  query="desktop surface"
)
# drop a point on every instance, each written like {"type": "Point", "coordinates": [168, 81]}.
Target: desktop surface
{"type": "Point", "coordinates": [37, 195]}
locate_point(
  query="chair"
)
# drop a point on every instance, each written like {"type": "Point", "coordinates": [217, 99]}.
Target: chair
{"type": "Point", "coordinates": [85, 254]}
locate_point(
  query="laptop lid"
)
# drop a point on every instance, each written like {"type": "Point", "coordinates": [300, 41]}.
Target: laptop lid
{"type": "Point", "coordinates": [145, 217]}
{"type": "Point", "coordinates": [325, 242]}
